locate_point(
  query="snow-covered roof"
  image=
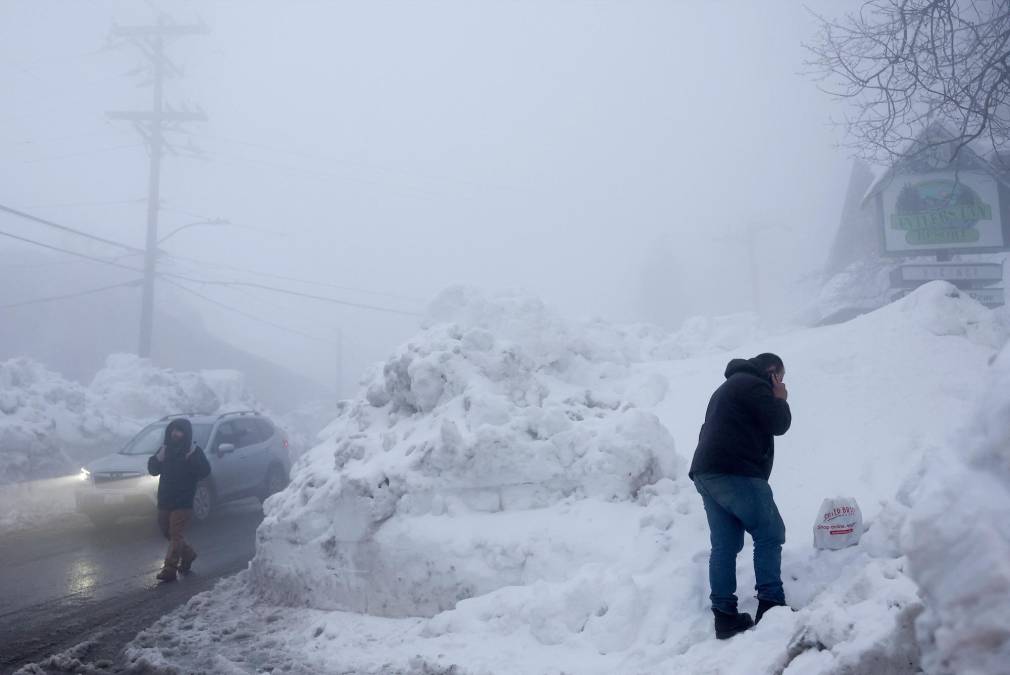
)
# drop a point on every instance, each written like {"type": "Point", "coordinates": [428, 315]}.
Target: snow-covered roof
{"type": "Point", "coordinates": [937, 143]}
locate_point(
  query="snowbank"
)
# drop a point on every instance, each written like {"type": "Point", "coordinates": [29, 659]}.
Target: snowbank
{"type": "Point", "coordinates": [958, 538]}
{"type": "Point", "coordinates": [504, 497]}
{"type": "Point", "coordinates": [49, 425]}
{"type": "Point", "coordinates": [420, 498]}
{"type": "Point", "coordinates": [39, 409]}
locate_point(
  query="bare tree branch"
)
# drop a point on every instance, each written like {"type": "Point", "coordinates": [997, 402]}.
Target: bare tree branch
{"type": "Point", "coordinates": [901, 65]}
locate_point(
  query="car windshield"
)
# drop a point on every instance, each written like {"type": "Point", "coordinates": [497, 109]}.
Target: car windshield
{"type": "Point", "coordinates": [150, 439]}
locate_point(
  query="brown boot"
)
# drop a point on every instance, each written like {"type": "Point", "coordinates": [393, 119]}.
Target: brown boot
{"type": "Point", "coordinates": [167, 573]}
{"type": "Point", "coordinates": [186, 562]}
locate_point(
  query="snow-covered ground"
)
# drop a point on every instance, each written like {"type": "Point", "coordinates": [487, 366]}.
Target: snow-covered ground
{"type": "Point", "coordinates": [50, 426]}
{"type": "Point", "coordinates": [508, 495]}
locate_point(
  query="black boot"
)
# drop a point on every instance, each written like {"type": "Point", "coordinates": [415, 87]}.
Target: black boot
{"type": "Point", "coordinates": [764, 606]}
{"type": "Point", "coordinates": [728, 625]}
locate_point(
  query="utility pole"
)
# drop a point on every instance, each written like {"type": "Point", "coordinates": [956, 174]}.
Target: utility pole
{"type": "Point", "coordinates": [152, 126]}
{"type": "Point", "coordinates": [750, 234]}
{"type": "Point", "coordinates": [340, 362]}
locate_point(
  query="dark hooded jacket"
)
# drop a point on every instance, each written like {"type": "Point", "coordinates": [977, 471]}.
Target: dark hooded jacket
{"type": "Point", "coordinates": [181, 469]}
{"type": "Point", "coordinates": [742, 419]}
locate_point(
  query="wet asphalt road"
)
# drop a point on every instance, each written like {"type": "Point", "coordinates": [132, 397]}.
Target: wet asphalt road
{"type": "Point", "coordinates": [71, 583]}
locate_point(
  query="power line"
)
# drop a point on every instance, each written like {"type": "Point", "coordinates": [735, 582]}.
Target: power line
{"type": "Point", "coordinates": [286, 291]}
{"type": "Point", "coordinates": [111, 202]}
{"type": "Point", "coordinates": [104, 261]}
{"type": "Point", "coordinates": [248, 284]}
{"type": "Point", "coordinates": [247, 315]}
{"type": "Point", "coordinates": [429, 178]}
{"type": "Point", "coordinates": [154, 126]}
{"type": "Point", "coordinates": [282, 277]}
{"type": "Point", "coordinates": [63, 263]}
{"type": "Point", "coordinates": [64, 228]}
{"type": "Point", "coordinates": [48, 139]}
{"type": "Point", "coordinates": [84, 153]}
{"type": "Point", "coordinates": [53, 298]}
{"type": "Point", "coordinates": [409, 191]}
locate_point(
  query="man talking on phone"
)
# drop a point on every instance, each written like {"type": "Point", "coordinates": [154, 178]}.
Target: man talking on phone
{"type": "Point", "coordinates": [181, 465]}
{"type": "Point", "coordinates": [731, 466]}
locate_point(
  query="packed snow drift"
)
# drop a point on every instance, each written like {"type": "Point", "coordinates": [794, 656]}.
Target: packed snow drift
{"type": "Point", "coordinates": [50, 426]}
{"type": "Point", "coordinates": [49, 422]}
{"type": "Point", "coordinates": [508, 495]}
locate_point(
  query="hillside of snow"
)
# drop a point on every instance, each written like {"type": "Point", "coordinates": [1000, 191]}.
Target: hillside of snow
{"type": "Point", "coordinates": [508, 495]}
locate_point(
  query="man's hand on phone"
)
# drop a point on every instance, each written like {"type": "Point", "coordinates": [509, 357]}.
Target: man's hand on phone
{"type": "Point", "coordinates": [161, 454]}
{"type": "Point", "coordinates": [779, 388]}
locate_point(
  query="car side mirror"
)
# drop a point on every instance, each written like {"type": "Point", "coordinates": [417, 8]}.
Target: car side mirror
{"type": "Point", "coordinates": [225, 448]}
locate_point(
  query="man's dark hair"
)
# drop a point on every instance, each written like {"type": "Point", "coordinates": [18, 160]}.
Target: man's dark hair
{"type": "Point", "coordinates": [768, 361]}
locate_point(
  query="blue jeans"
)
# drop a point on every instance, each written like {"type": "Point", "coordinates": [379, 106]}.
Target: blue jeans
{"type": "Point", "coordinates": [734, 505]}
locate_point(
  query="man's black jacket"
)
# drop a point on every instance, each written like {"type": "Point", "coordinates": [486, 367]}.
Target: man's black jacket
{"type": "Point", "coordinates": [742, 419]}
{"type": "Point", "coordinates": [181, 469]}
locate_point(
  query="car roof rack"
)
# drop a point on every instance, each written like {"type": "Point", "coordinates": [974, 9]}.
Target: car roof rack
{"type": "Point", "coordinates": [237, 412]}
{"type": "Point", "coordinates": [185, 414]}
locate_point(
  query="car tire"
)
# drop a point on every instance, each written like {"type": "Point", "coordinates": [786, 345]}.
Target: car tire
{"type": "Point", "coordinates": [275, 481]}
{"type": "Point", "coordinates": [203, 501]}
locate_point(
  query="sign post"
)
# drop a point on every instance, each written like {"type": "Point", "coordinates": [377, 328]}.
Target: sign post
{"type": "Point", "coordinates": [963, 275]}
{"type": "Point", "coordinates": [945, 213]}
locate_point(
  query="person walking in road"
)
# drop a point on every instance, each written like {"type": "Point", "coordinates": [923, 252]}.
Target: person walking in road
{"type": "Point", "coordinates": [181, 464]}
{"type": "Point", "coordinates": [730, 470]}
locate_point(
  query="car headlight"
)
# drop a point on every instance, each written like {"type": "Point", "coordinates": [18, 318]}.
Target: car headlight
{"type": "Point", "coordinates": [84, 475]}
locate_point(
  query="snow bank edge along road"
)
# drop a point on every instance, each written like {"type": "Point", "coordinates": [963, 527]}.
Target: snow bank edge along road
{"type": "Point", "coordinates": [599, 570]}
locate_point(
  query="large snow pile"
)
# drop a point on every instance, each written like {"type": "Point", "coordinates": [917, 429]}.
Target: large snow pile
{"type": "Point", "coordinates": [493, 411]}
{"type": "Point", "coordinates": [38, 407]}
{"type": "Point", "coordinates": [865, 285]}
{"type": "Point", "coordinates": [136, 389]}
{"type": "Point", "coordinates": [958, 538]}
{"type": "Point", "coordinates": [50, 424]}
{"type": "Point", "coordinates": [697, 336]}
{"type": "Point", "coordinates": [504, 498]}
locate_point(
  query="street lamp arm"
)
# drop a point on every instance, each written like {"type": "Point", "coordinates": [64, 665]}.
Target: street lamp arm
{"type": "Point", "coordinates": [216, 221]}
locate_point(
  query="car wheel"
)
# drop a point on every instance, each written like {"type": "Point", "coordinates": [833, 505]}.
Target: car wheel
{"type": "Point", "coordinates": [275, 481]}
{"type": "Point", "coordinates": [203, 501]}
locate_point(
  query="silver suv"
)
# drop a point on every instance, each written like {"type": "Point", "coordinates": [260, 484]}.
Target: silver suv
{"type": "Point", "coordinates": [248, 457]}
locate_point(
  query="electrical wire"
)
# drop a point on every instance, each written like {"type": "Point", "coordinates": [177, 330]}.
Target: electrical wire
{"type": "Point", "coordinates": [240, 312]}
{"type": "Point", "coordinates": [84, 153]}
{"type": "Point", "coordinates": [205, 264]}
{"type": "Point", "coordinates": [209, 282]}
{"type": "Point", "coordinates": [403, 173]}
{"type": "Point", "coordinates": [64, 228]}
{"type": "Point", "coordinates": [112, 202]}
{"type": "Point", "coordinates": [104, 261]}
{"type": "Point", "coordinates": [53, 298]}
{"type": "Point", "coordinates": [287, 291]}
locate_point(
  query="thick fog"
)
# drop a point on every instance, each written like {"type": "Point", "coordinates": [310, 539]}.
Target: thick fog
{"type": "Point", "coordinates": [637, 161]}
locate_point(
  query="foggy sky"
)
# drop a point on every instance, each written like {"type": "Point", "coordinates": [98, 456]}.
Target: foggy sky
{"type": "Point", "coordinates": [559, 146]}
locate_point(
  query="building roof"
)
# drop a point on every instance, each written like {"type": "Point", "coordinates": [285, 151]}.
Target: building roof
{"type": "Point", "coordinates": [931, 151]}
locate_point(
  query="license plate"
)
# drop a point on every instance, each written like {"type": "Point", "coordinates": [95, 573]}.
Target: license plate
{"type": "Point", "coordinates": [115, 499]}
